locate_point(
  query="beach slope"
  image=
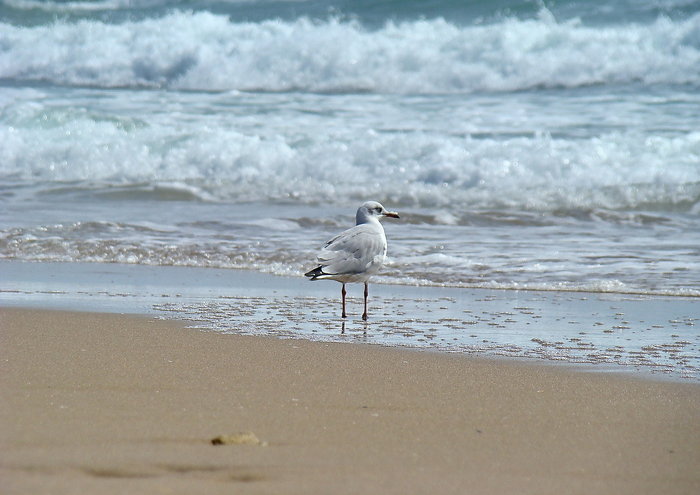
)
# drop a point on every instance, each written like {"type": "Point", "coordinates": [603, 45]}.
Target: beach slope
{"type": "Point", "coordinates": [110, 404]}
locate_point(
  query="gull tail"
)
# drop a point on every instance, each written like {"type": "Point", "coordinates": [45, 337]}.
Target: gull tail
{"type": "Point", "coordinates": [315, 273]}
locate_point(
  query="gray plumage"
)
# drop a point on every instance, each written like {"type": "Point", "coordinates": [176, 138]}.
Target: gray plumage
{"type": "Point", "coordinates": [357, 253]}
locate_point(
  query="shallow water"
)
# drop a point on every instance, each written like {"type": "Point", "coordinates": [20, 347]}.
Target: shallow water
{"type": "Point", "coordinates": [604, 331]}
{"type": "Point", "coordinates": [622, 252]}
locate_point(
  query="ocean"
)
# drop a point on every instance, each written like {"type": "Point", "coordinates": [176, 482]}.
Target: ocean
{"type": "Point", "coordinates": [550, 146]}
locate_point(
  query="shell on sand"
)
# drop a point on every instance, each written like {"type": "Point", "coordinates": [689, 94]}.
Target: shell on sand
{"type": "Point", "coordinates": [241, 438]}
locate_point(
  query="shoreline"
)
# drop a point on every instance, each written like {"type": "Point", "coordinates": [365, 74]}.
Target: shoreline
{"type": "Point", "coordinates": [121, 404]}
{"type": "Point", "coordinates": [655, 336]}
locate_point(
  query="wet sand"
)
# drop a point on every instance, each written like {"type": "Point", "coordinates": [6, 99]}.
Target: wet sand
{"type": "Point", "coordinates": [109, 404]}
{"type": "Point", "coordinates": [622, 332]}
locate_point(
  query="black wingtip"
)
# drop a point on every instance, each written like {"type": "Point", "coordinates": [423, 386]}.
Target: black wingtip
{"type": "Point", "coordinates": [315, 273]}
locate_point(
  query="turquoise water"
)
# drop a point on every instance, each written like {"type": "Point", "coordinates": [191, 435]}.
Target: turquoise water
{"type": "Point", "coordinates": [538, 145]}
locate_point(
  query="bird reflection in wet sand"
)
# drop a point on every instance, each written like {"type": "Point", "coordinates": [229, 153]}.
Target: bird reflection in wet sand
{"type": "Point", "coordinates": [355, 254]}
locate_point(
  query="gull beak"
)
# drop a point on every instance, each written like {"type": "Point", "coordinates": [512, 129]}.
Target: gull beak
{"type": "Point", "coordinates": [391, 214]}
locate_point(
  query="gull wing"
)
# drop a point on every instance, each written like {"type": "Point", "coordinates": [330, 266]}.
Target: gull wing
{"type": "Point", "coordinates": [353, 251]}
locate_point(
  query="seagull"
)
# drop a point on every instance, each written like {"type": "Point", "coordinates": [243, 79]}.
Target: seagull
{"type": "Point", "coordinates": [357, 253]}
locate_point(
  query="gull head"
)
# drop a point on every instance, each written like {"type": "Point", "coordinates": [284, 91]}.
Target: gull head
{"type": "Point", "coordinates": [373, 211]}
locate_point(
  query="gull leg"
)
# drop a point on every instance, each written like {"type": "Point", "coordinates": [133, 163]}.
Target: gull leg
{"type": "Point", "coordinates": [342, 291]}
{"type": "Point", "coordinates": [364, 315]}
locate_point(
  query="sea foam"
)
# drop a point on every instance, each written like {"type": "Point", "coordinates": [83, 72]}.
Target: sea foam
{"type": "Point", "coordinates": [212, 160]}
{"type": "Point", "coordinates": [205, 51]}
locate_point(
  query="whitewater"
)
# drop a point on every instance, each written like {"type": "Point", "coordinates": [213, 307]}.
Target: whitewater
{"type": "Point", "coordinates": [202, 51]}
{"type": "Point", "coordinates": [526, 145]}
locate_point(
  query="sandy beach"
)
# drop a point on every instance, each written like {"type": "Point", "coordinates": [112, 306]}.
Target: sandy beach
{"type": "Point", "coordinates": [104, 403]}
{"type": "Point", "coordinates": [169, 171]}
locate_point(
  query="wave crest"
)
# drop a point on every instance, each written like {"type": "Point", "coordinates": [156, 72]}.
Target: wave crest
{"type": "Point", "coordinates": [205, 51]}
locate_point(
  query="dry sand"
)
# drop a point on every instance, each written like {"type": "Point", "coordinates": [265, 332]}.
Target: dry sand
{"type": "Point", "coordinates": [107, 404]}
